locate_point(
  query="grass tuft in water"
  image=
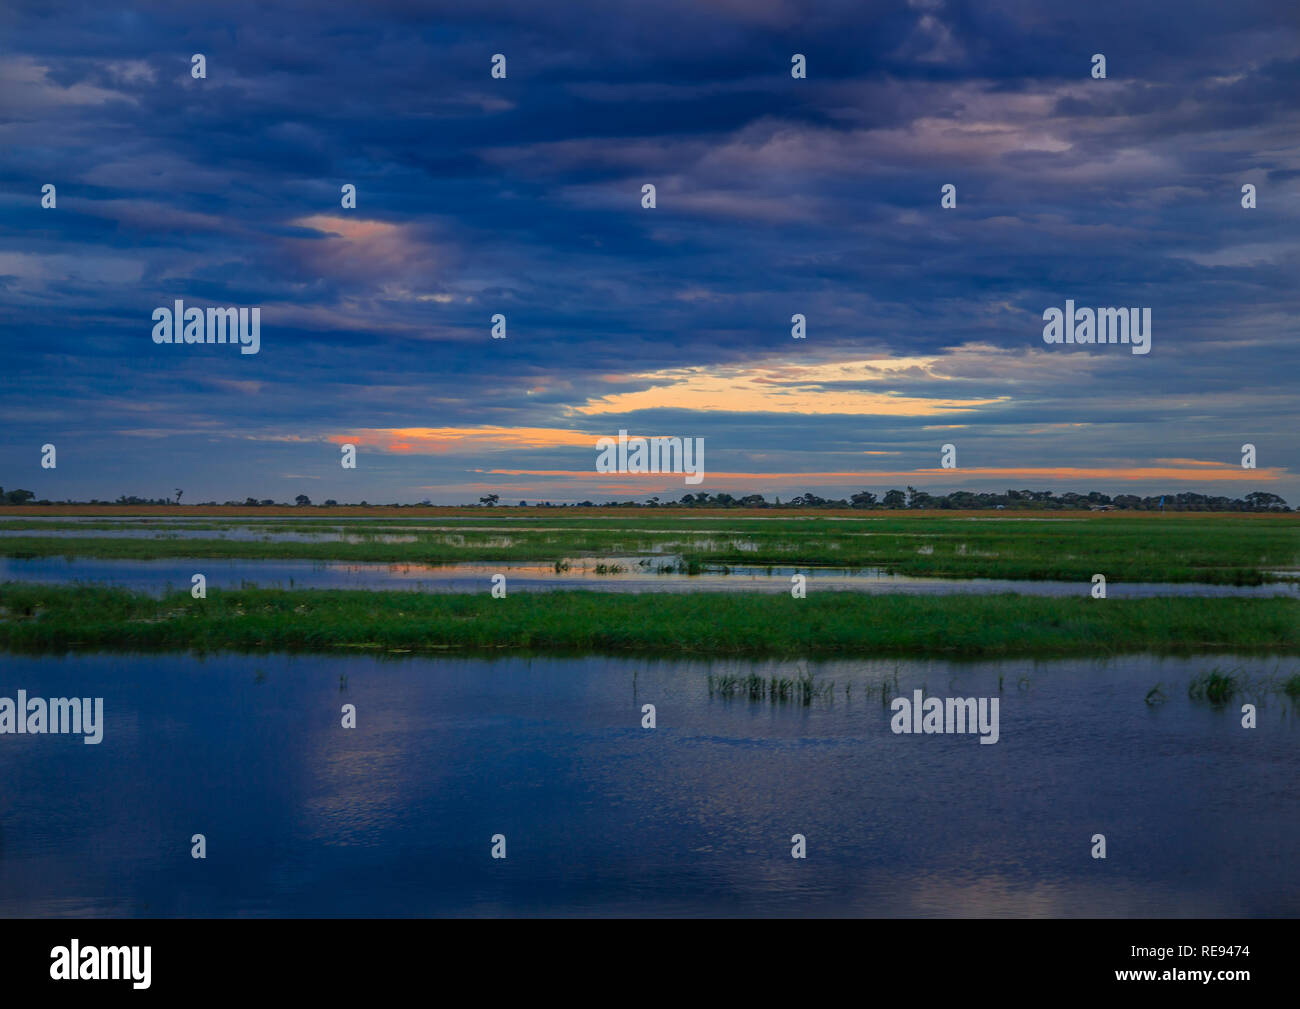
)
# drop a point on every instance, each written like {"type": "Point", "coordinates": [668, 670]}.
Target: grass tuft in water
{"type": "Point", "coordinates": [1217, 686]}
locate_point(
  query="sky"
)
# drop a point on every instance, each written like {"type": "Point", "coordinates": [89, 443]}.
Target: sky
{"type": "Point", "coordinates": [774, 196]}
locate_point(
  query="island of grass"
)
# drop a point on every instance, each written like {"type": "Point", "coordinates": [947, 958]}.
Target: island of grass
{"type": "Point", "coordinates": [55, 619]}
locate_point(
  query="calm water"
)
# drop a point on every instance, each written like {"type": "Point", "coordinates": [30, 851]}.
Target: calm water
{"type": "Point", "coordinates": [159, 576]}
{"type": "Point", "coordinates": [235, 533]}
{"type": "Point", "coordinates": [393, 818]}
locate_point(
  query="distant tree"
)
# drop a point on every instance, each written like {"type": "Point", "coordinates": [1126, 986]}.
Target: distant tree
{"type": "Point", "coordinates": [267, 502]}
{"type": "Point", "coordinates": [894, 499]}
{"type": "Point", "coordinates": [18, 497]}
{"type": "Point", "coordinates": [179, 492]}
{"type": "Point", "coordinates": [523, 504]}
{"type": "Point", "coordinates": [863, 499]}
{"type": "Point", "coordinates": [331, 503]}
{"type": "Point", "coordinates": [302, 500]}
{"type": "Point", "coordinates": [918, 498]}
{"type": "Point", "coordinates": [490, 500]}
{"type": "Point", "coordinates": [1261, 501]}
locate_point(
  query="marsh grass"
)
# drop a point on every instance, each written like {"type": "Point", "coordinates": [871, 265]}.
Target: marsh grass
{"type": "Point", "coordinates": [1222, 549]}
{"type": "Point", "coordinates": [65, 617]}
{"type": "Point", "coordinates": [802, 688]}
{"type": "Point", "coordinates": [1218, 686]}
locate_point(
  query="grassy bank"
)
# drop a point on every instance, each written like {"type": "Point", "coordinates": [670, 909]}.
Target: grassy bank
{"type": "Point", "coordinates": [59, 618]}
{"type": "Point", "coordinates": [1221, 549]}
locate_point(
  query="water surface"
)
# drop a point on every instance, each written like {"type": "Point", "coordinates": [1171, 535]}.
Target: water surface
{"type": "Point", "coordinates": [603, 817]}
{"type": "Point", "coordinates": [619, 574]}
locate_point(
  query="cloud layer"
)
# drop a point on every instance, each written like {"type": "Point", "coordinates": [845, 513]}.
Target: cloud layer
{"type": "Point", "coordinates": [522, 196]}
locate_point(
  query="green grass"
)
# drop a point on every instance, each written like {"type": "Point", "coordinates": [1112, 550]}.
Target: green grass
{"type": "Point", "coordinates": [1216, 686]}
{"type": "Point", "coordinates": [64, 618]}
{"type": "Point", "coordinates": [1223, 549]}
{"type": "Point", "coordinates": [1220, 686]}
{"type": "Point", "coordinates": [803, 688]}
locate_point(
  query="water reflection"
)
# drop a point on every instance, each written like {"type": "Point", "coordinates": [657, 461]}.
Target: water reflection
{"type": "Point", "coordinates": [394, 817]}
{"type": "Point", "coordinates": [610, 574]}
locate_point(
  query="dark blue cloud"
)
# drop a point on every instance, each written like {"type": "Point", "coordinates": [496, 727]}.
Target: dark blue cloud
{"type": "Point", "coordinates": [521, 196]}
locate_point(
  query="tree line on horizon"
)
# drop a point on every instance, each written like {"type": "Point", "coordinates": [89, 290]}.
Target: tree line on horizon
{"type": "Point", "coordinates": [891, 500]}
{"type": "Point", "coordinates": [971, 501]}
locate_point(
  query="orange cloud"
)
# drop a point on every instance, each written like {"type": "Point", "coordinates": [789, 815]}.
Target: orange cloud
{"type": "Point", "coordinates": [394, 255]}
{"type": "Point", "coordinates": [1202, 472]}
{"type": "Point", "coordinates": [437, 440]}
{"type": "Point", "coordinates": [353, 229]}
{"type": "Point", "coordinates": [783, 387]}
